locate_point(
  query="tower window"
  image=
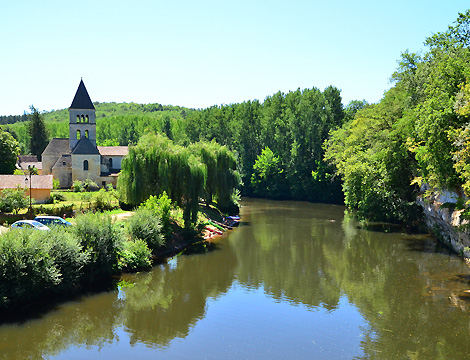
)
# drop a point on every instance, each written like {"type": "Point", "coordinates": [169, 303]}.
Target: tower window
{"type": "Point", "coordinates": [86, 134]}
{"type": "Point", "coordinates": [78, 118]}
{"type": "Point", "coordinates": [78, 135]}
{"type": "Point", "coordinates": [85, 165]}
{"type": "Point", "coordinates": [86, 120]}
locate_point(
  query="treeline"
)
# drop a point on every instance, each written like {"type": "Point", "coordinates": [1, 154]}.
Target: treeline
{"type": "Point", "coordinates": [117, 123]}
{"type": "Point", "coordinates": [11, 119]}
{"type": "Point", "coordinates": [278, 142]}
{"type": "Point", "coordinates": [419, 133]}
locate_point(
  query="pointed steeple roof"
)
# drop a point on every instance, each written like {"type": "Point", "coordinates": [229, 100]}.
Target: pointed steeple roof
{"type": "Point", "coordinates": [82, 99]}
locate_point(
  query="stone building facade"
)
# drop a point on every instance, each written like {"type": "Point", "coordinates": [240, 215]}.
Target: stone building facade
{"type": "Point", "coordinates": [78, 157]}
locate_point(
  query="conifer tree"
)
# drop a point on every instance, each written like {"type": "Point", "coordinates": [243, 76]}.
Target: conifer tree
{"type": "Point", "coordinates": [38, 135]}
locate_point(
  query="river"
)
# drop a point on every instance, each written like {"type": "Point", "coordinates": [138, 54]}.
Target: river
{"type": "Point", "coordinates": [295, 280]}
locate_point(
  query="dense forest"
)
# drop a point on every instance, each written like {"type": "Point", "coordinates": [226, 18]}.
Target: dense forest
{"type": "Point", "coordinates": [418, 134]}
{"type": "Point", "coordinates": [306, 144]}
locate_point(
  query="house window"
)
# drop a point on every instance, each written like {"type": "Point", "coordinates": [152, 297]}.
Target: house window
{"type": "Point", "coordinates": [110, 163]}
{"type": "Point", "coordinates": [103, 184]}
{"type": "Point", "coordinates": [85, 165]}
{"type": "Point", "coordinates": [78, 134]}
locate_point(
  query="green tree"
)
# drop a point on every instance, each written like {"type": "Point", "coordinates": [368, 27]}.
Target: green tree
{"type": "Point", "coordinates": [38, 135]}
{"type": "Point", "coordinates": [13, 200]}
{"type": "Point", "coordinates": [267, 179]}
{"type": "Point", "coordinates": [9, 151]}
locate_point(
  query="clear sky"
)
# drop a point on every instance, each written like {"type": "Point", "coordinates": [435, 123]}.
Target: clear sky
{"type": "Point", "coordinates": [203, 53]}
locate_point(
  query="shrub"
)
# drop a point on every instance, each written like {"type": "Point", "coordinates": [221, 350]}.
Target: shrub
{"type": "Point", "coordinates": [135, 255]}
{"type": "Point", "coordinates": [12, 200]}
{"type": "Point", "coordinates": [102, 240]}
{"type": "Point", "coordinates": [146, 226]}
{"type": "Point", "coordinates": [55, 183]}
{"type": "Point", "coordinates": [161, 207]}
{"type": "Point", "coordinates": [34, 263]}
{"type": "Point", "coordinates": [90, 185]}
{"type": "Point", "coordinates": [77, 186]}
{"type": "Point", "coordinates": [104, 200]}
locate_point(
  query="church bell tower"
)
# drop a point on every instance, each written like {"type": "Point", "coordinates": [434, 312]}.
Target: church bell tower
{"type": "Point", "coordinates": [82, 117]}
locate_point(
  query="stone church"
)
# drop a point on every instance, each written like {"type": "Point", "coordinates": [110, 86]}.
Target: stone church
{"type": "Point", "coordinates": [78, 157]}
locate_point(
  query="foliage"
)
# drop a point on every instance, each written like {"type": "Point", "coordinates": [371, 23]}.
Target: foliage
{"type": "Point", "coordinates": [105, 200]}
{"type": "Point", "coordinates": [13, 200]}
{"type": "Point", "coordinates": [77, 186]}
{"type": "Point", "coordinates": [38, 136]}
{"type": "Point", "coordinates": [155, 165]}
{"type": "Point", "coordinates": [416, 133]}
{"type": "Point", "coordinates": [55, 184]}
{"type": "Point", "coordinates": [90, 185]}
{"type": "Point", "coordinates": [135, 255]}
{"type": "Point", "coordinates": [161, 207]}
{"type": "Point", "coordinates": [102, 239]}
{"type": "Point", "coordinates": [267, 179]}
{"type": "Point", "coordinates": [35, 263]}
{"type": "Point", "coordinates": [222, 178]}
{"type": "Point", "coordinates": [293, 126]}
{"type": "Point", "coordinates": [9, 151]}
{"type": "Point", "coordinates": [145, 225]}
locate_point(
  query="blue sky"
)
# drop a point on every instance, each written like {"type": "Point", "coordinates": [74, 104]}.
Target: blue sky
{"type": "Point", "coordinates": [204, 53]}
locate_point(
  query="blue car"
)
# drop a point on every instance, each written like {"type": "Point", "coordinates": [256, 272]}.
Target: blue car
{"type": "Point", "coordinates": [52, 220]}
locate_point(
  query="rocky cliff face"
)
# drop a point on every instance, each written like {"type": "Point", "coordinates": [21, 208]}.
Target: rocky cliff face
{"type": "Point", "coordinates": [445, 221]}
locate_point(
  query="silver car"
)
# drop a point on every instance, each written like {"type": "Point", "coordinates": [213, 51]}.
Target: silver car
{"type": "Point", "coordinates": [29, 224]}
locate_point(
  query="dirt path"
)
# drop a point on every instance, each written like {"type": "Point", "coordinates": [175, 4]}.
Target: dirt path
{"type": "Point", "coordinates": [3, 229]}
{"type": "Point", "coordinates": [122, 216]}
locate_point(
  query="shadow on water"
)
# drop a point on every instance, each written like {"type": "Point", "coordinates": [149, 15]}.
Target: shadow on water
{"type": "Point", "coordinates": [202, 247]}
{"type": "Point", "coordinates": [428, 244]}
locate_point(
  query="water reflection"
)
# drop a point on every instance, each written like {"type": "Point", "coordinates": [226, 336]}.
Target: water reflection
{"type": "Point", "coordinates": [295, 279]}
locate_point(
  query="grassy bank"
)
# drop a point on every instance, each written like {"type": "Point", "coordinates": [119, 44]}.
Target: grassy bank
{"type": "Point", "coordinates": [38, 265]}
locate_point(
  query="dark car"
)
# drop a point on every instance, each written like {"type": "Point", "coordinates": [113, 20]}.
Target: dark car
{"type": "Point", "coordinates": [52, 220]}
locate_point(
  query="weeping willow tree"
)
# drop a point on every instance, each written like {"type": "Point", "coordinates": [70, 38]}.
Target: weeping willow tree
{"type": "Point", "coordinates": [222, 179]}
{"type": "Point", "coordinates": [203, 170]}
{"type": "Point", "coordinates": [155, 165]}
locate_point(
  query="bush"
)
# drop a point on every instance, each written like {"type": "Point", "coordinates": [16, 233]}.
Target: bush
{"type": "Point", "coordinates": [161, 207]}
{"type": "Point", "coordinates": [34, 263]}
{"type": "Point", "coordinates": [146, 226]}
{"type": "Point", "coordinates": [77, 186]}
{"type": "Point", "coordinates": [56, 210]}
{"type": "Point", "coordinates": [13, 200]}
{"type": "Point", "coordinates": [56, 184]}
{"type": "Point", "coordinates": [90, 185]}
{"type": "Point", "coordinates": [104, 200]}
{"type": "Point", "coordinates": [102, 240]}
{"type": "Point", "coordinates": [135, 255]}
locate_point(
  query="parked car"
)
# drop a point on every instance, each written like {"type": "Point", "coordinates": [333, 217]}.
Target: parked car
{"type": "Point", "coordinates": [29, 224]}
{"type": "Point", "coordinates": [52, 220]}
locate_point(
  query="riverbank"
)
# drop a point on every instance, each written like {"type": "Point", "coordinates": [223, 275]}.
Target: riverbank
{"type": "Point", "coordinates": [445, 220]}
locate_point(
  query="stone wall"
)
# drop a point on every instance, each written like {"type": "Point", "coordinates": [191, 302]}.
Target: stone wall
{"type": "Point", "coordinates": [444, 221]}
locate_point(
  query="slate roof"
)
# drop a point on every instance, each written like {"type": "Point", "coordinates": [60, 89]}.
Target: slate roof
{"type": "Point", "coordinates": [28, 160]}
{"type": "Point", "coordinates": [82, 99]}
{"type": "Point", "coordinates": [57, 146]}
{"type": "Point", "coordinates": [37, 181]}
{"type": "Point", "coordinates": [113, 150]}
{"type": "Point", "coordinates": [85, 147]}
{"type": "Point", "coordinates": [64, 162]}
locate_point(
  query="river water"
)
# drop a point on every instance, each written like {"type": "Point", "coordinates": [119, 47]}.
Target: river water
{"type": "Point", "coordinates": [295, 280]}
